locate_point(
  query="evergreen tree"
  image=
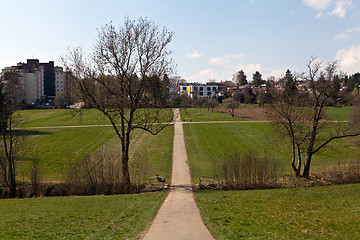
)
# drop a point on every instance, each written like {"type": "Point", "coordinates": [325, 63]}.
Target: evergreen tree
{"type": "Point", "coordinates": [257, 80]}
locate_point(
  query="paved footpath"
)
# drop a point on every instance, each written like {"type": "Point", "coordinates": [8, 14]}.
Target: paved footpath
{"type": "Point", "coordinates": [179, 217]}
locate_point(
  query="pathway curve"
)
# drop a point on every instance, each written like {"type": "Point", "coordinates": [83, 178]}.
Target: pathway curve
{"type": "Point", "coordinates": [179, 217]}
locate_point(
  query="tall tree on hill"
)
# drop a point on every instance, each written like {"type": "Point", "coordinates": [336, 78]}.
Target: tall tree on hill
{"type": "Point", "coordinates": [239, 79]}
{"type": "Point", "coordinates": [257, 80]}
{"type": "Point", "coordinates": [123, 79]}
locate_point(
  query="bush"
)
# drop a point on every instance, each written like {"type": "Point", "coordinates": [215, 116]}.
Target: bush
{"type": "Point", "coordinates": [100, 173]}
{"type": "Point", "coordinates": [248, 171]}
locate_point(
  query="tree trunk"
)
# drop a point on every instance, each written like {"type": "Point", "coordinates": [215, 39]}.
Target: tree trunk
{"type": "Point", "coordinates": [126, 184]}
{"type": "Point", "coordinates": [306, 172]}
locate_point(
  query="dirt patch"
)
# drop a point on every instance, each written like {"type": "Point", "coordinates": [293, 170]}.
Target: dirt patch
{"type": "Point", "coordinates": [248, 113]}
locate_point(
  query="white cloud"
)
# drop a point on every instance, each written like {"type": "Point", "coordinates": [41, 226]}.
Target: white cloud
{"type": "Point", "coordinates": [348, 34]}
{"type": "Point", "coordinates": [319, 15]}
{"type": "Point", "coordinates": [194, 55]}
{"type": "Point", "coordinates": [340, 8]}
{"type": "Point", "coordinates": [226, 60]}
{"type": "Point", "coordinates": [349, 59]}
{"type": "Point", "coordinates": [317, 4]}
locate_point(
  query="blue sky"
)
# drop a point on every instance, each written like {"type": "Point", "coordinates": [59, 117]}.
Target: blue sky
{"type": "Point", "coordinates": [212, 39]}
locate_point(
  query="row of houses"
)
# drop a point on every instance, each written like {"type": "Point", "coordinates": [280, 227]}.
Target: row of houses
{"type": "Point", "coordinates": [36, 80]}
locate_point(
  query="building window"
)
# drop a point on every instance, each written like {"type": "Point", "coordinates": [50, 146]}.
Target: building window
{"type": "Point", "coordinates": [214, 89]}
{"type": "Point", "coordinates": [201, 89]}
{"type": "Point", "coordinates": [209, 93]}
{"type": "Point", "coordinates": [201, 94]}
{"type": "Point", "coordinates": [184, 89]}
{"type": "Point", "coordinates": [208, 88]}
{"type": "Point", "coordinates": [195, 89]}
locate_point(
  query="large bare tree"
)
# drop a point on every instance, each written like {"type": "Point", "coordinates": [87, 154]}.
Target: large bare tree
{"type": "Point", "coordinates": [123, 78]}
{"type": "Point", "coordinates": [300, 114]}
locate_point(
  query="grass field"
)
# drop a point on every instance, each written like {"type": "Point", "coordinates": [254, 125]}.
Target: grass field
{"type": "Point", "coordinates": [56, 147]}
{"type": "Point", "coordinates": [94, 217]}
{"type": "Point", "coordinates": [202, 114]}
{"type": "Point", "coordinates": [62, 117]}
{"type": "Point", "coordinates": [208, 145]}
{"type": "Point", "coordinates": [331, 212]}
{"type": "Point", "coordinates": [338, 113]}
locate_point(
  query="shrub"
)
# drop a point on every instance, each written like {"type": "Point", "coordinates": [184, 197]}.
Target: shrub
{"type": "Point", "coordinates": [248, 171]}
{"type": "Point", "coordinates": [100, 173]}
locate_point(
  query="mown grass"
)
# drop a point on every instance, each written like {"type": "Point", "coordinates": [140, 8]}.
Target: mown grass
{"type": "Point", "coordinates": [56, 148]}
{"type": "Point", "coordinates": [208, 145]}
{"type": "Point", "coordinates": [94, 217]}
{"type": "Point", "coordinates": [330, 212]}
{"type": "Point", "coordinates": [338, 113]}
{"type": "Point", "coordinates": [62, 117]}
{"type": "Point", "coordinates": [203, 114]}
{"type": "Point", "coordinates": [68, 117]}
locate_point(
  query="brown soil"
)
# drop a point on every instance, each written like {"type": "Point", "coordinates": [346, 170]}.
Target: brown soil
{"type": "Point", "coordinates": [248, 113]}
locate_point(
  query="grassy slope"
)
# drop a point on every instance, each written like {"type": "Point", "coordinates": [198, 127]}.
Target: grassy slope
{"type": "Point", "coordinates": [56, 147]}
{"type": "Point", "coordinates": [62, 117]}
{"type": "Point", "coordinates": [331, 212]}
{"type": "Point", "coordinates": [202, 114]}
{"type": "Point", "coordinates": [209, 144]}
{"type": "Point", "coordinates": [95, 217]}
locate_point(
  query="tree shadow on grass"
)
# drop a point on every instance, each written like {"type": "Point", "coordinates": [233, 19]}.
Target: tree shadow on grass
{"type": "Point", "coordinates": [30, 133]}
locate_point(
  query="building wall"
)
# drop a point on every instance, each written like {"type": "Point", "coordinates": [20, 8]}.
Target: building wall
{"type": "Point", "coordinates": [199, 90]}
{"type": "Point", "coordinates": [59, 80]}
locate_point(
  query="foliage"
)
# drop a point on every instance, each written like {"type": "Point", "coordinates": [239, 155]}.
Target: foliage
{"type": "Point", "coordinates": [240, 78]}
{"type": "Point", "coordinates": [257, 80]}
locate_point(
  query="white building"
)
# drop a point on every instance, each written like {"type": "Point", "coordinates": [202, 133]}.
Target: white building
{"type": "Point", "coordinates": [31, 82]}
{"type": "Point", "coordinates": [197, 90]}
{"type": "Point", "coordinates": [59, 80]}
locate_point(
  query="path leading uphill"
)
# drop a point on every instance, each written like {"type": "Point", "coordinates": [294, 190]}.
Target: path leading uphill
{"type": "Point", "coordinates": [179, 217]}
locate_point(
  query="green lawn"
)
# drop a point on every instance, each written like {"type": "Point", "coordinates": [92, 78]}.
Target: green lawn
{"type": "Point", "coordinates": [94, 217]}
{"type": "Point", "coordinates": [208, 145]}
{"type": "Point", "coordinates": [330, 212]}
{"type": "Point", "coordinates": [202, 114]}
{"type": "Point", "coordinates": [338, 113]}
{"type": "Point", "coordinates": [56, 147]}
{"type": "Point", "coordinates": [62, 117]}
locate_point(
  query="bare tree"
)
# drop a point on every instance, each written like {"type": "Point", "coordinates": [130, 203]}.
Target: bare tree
{"type": "Point", "coordinates": [231, 105]}
{"type": "Point", "coordinates": [10, 137]}
{"type": "Point", "coordinates": [123, 79]}
{"type": "Point", "coordinates": [300, 115]}
{"type": "Point", "coordinates": [211, 103]}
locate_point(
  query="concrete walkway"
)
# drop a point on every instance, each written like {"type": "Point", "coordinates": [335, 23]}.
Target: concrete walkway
{"type": "Point", "coordinates": [179, 217]}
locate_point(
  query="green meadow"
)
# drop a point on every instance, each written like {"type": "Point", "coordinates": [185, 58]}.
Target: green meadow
{"type": "Point", "coordinates": [56, 147]}
{"type": "Point", "coordinates": [92, 217]}
{"type": "Point", "coordinates": [210, 144]}
{"type": "Point", "coordinates": [329, 212]}
{"type": "Point", "coordinates": [204, 115]}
